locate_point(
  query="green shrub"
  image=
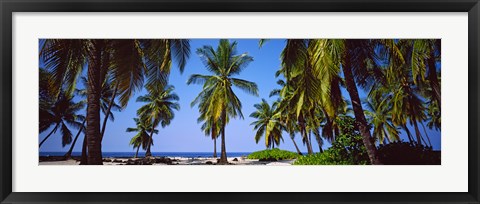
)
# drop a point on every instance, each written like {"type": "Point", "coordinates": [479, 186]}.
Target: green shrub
{"type": "Point", "coordinates": [347, 149]}
{"type": "Point", "coordinates": [273, 154]}
{"type": "Point", "coordinates": [326, 158]}
{"type": "Point", "coordinates": [405, 153]}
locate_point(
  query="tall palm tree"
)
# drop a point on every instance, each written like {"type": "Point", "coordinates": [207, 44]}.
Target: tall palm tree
{"type": "Point", "coordinates": [62, 115]}
{"type": "Point", "coordinates": [301, 88]}
{"type": "Point", "coordinates": [141, 139]}
{"type": "Point", "coordinates": [223, 63]}
{"type": "Point", "coordinates": [267, 124]}
{"type": "Point", "coordinates": [310, 85]}
{"type": "Point", "coordinates": [378, 112]}
{"type": "Point", "coordinates": [355, 58]}
{"type": "Point", "coordinates": [287, 116]}
{"type": "Point", "coordinates": [128, 60]}
{"type": "Point", "coordinates": [405, 81]}
{"type": "Point", "coordinates": [108, 104]}
{"type": "Point", "coordinates": [159, 108]}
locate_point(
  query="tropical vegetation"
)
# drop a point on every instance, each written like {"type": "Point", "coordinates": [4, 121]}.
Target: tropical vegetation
{"type": "Point", "coordinates": [358, 95]}
{"type": "Point", "coordinates": [272, 154]}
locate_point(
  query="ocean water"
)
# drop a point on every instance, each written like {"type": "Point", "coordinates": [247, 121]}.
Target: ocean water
{"type": "Point", "coordinates": [156, 154]}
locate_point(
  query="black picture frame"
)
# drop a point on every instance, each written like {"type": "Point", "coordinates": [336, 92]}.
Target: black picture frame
{"type": "Point", "coordinates": [7, 8]}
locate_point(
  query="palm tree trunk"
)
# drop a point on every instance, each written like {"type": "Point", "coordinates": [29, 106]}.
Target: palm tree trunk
{"type": "Point", "coordinates": [310, 140]}
{"type": "Point", "coordinates": [426, 135]}
{"type": "Point", "coordinates": [273, 144]}
{"type": "Point", "coordinates": [136, 153]}
{"type": "Point", "coordinates": [417, 133]}
{"type": "Point", "coordinates": [296, 147]}
{"type": "Point", "coordinates": [110, 104]}
{"type": "Point", "coordinates": [387, 140]}
{"type": "Point", "coordinates": [69, 153]}
{"type": "Point", "coordinates": [84, 159]}
{"type": "Point", "coordinates": [215, 147]}
{"type": "Point", "coordinates": [410, 138]}
{"type": "Point", "coordinates": [358, 111]}
{"type": "Point", "coordinates": [93, 109]}
{"type": "Point", "coordinates": [304, 134]}
{"type": "Point", "coordinates": [49, 134]}
{"type": "Point", "coordinates": [223, 156]}
{"type": "Point", "coordinates": [148, 153]}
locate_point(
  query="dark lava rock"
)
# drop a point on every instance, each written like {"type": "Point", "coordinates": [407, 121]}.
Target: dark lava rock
{"type": "Point", "coordinates": [149, 161]}
{"type": "Point", "coordinates": [117, 161]}
{"type": "Point", "coordinates": [163, 160]}
{"type": "Point", "coordinates": [107, 160]}
{"type": "Point", "coordinates": [208, 162]}
{"type": "Point", "coordinates": [235, 159]}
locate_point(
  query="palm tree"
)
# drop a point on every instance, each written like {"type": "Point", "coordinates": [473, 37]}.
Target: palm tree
{"type": "Point", "coordinates": [224, 63]}
{"type": "Point", "coordinates": [62, 115]}
{"type": "Point", "coordinates": [159, 108]}
{"type": "Point", "coordinates": [378, 112]}
{"type": "Point", "coordinates": [128, 60]}
{"type": "Point", "coordinates": [405, 81]}
{"type": "Point", "coordinates": [107, 102]}
{"type": "Point", "coordinates": [287, 116]}
{"type": "Point", "coordinates": [141, 139]}
{"type": "Point", "coordinates": [211, 128]}
{"type": "Point", "coordinates": [68, 155]}
{"type": "Point", "coordinates": [355, 58]}
{"type": "Point", "coordinates": [267, 124]}
{"type": "Point", "coordinates": [310, 85]}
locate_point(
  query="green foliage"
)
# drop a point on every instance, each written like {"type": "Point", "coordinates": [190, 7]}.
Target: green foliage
{"type": "Point", "coordinates": [347, 149]}
{"type": "Point", "coordinates": [405, 153]}
{"type": "Point", "coordinates": [273, 154]}
{"type": "Point", "coordinates": [326, 158]}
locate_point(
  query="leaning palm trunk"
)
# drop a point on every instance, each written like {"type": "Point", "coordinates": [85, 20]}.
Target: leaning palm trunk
{"type": "Point", "coordinates": [93, 109]}
{"type": "Point", "coordinates": [410, 138]}
{"type": "Point", "coordinates": [358, 112]}
{"type": "Point", "coordinates": [223, 155]}
{"type": "Point", "coordinates": [305, 136]}
{"type": "Point", "coordinates": [426, 135]}
{"type": "Point", "coordinates": [417, 132]}
{"type": "Point", "coordinates": [148, 152]}
{"type": "Point", "coordinates": [69, 153]}
{"type": "Point", "coordinates": [49, 134]}
{"type": "Point", "coordinates": [303, 131]}
{"type": "Point", "coordinates": [296, 147]}
{"type": "Point", "coordinates": [110, 104]}
{"type": "Point", "coordinates": [310, 140]}
{"type": "Point", "coordinates": [84, 159]}
{"type": "Point", "coordinates": [136, 153]}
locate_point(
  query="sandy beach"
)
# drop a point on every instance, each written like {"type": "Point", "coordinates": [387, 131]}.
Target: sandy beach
{"type": "Point", "coordinates": [170, 161]}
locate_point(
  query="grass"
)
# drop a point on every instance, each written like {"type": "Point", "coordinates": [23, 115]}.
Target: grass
{"type": "Point", "coordinates": [273, 154]}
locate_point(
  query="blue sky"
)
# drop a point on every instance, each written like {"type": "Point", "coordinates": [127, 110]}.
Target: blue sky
{"type": "Point", "coordinates": [184, 133]}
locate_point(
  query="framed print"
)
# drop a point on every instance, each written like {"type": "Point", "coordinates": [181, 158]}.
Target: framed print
{"type": "Point", "coordinates": [256, 102]}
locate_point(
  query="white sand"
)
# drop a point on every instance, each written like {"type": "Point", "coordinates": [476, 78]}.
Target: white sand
{"type": "Point", "coordinates": [66, 162]}
{"type": "Point", "coordinates": [183, 161]}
